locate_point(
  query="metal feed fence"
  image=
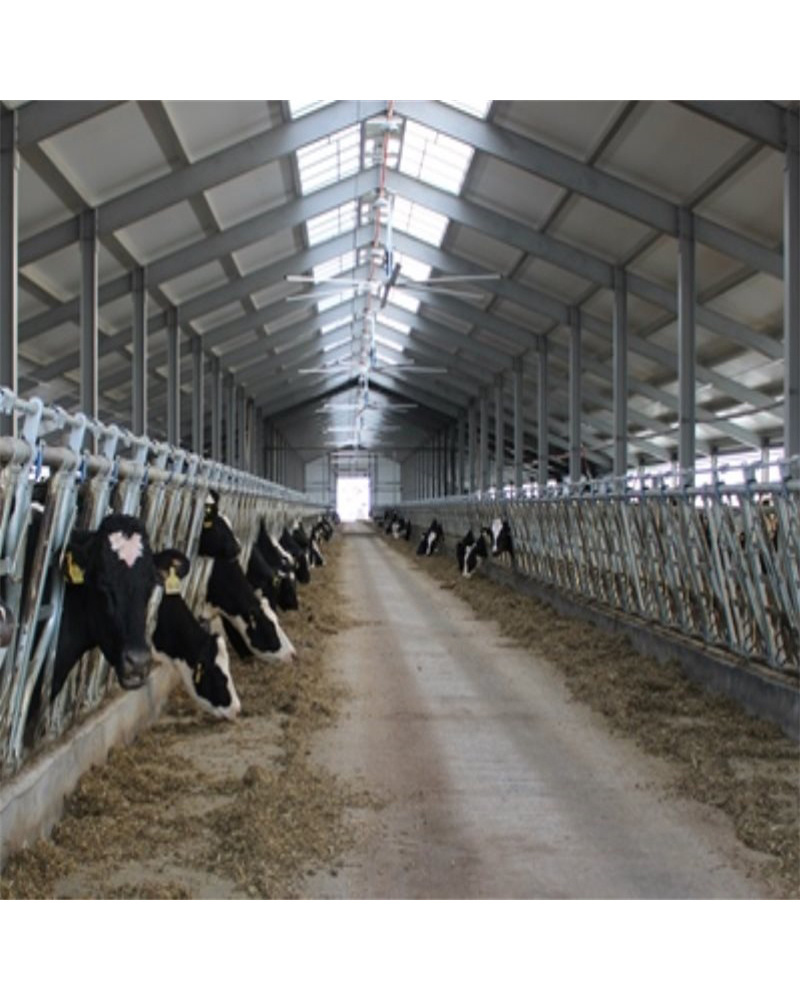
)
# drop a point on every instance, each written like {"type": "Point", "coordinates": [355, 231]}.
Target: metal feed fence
{"type": "Point", "coordinates": [718, 563]}
{"type": "Point", "coordinates": [76, 471]}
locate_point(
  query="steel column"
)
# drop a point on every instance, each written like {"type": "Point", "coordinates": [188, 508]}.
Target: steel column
{"type": "Point", "coordinates": [230, 420]}
{"type": "Point", "coordinates": [461, 456]}
{"type": "Point", "coordinates": [173, 378]}
{"type": "Point", "coordinates": [519, 426]}
{"type": "Point", "coordinates": [139, 386]}
{"type": "Point", "coordinates": [686, 344]}
{"type": "Point", "coordinates": [88, 314]}
{"type": "Point", "coordinates": [499, 435]}
{"type": "Point", "coordinates": [543, 436]}
{"type": "Point", "coordinates": [620, 362]}
{"type": "Point", "coordinates": [472, 454]}
{"type": "Point", "coordinates": [483, 452]}
{"type": "Point", "coordinates": [241, 428]}
{"type": "Point", "coordinates": [198, 397]}
{"type": "Point", "coordinates": [791, 286]}
{"type": "Point", "coordinates": [575, 396]}
{"type": "Point", "coordinates": [216, 409]}
{"type": "Point", "coordinates": [9, 220]}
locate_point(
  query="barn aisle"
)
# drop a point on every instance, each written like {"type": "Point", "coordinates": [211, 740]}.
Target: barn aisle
{"type": "Point", "coordinates": [494, 783]}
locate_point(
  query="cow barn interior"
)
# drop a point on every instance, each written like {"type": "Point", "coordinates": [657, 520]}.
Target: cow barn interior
{"type": "Point", "coordinates": [370, 335]}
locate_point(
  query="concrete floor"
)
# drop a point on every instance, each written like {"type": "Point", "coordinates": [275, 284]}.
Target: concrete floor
{"type": "Point", "coordinates": [495, 784]}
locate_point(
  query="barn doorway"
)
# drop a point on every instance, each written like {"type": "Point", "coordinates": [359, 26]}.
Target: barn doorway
{"type": "Point", "coordinates": [352, 498]}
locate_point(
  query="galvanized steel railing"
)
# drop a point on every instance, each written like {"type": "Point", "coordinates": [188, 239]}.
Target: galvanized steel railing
{"type": "Point", "coordinates": [89, 469]}
{"type": "Point", "coordinates": [719, 563]}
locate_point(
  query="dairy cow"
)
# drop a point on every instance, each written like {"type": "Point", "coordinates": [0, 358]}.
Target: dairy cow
{"type": "Point", "coordinates": [109, 575]}
{"type": "Point", "coordinates": [288, 542]}
{"type": "Point", "coordinates": [199, 653]}
{"type": "Point", "coordinates": [431, 539]}
{"type": "Point", "coordinates": [470, 552]}
{"type": "Point", "coordinates": [249, 621]}
{"type": "Point", "coordinates": [500, 532]}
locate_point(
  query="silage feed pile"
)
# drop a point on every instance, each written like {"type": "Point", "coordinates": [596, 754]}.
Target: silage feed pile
{"type": "Point", "coordinates": [199, 808]}
{"type": "Point", "coordinates": [719, 755]}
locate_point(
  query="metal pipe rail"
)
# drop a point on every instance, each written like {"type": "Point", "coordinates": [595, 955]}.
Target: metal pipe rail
{"type": "Point", "coordinates": [82, 470]}
{"type": "Point", "coordinates": [719, 563]}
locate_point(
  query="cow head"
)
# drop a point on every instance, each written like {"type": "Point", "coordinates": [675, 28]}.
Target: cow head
{"type": "Point", "coordinates": [113, 572]}
{"type": "Point", "coordinates": [501, 537]}
{"type": "Point", "coordinates": [217, 540]}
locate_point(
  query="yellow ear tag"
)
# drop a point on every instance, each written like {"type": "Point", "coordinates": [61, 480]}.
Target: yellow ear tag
{"type": "Point", "coordinates": [74, 572]}
{"type": "Point", "coordinates": [198, 674]}
{"type": "Point", "coordinates": [172, 584]}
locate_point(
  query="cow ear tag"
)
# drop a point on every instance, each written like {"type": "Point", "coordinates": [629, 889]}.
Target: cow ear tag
{"type": "Point", "coordinates": [74, 572]}
{"type": "Point", "coordinates": [172, 584]}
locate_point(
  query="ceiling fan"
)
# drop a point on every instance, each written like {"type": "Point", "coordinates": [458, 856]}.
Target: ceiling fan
{"type": "Point", "coordinates": [380, 287]}
{"type": "Point", "coordinates": [351, 364]}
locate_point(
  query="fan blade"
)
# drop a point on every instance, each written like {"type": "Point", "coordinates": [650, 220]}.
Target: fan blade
{"type": "Point", "coordinates": [419, 369]}
{"type": "Point", "coordinates": [444, 280]}
{"type": "Point", "coordinates": [411, 287]}
{"type": "Point", "coordinates": [305, 279]}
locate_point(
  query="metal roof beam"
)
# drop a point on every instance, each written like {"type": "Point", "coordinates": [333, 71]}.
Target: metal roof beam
{"type": "Point", "coordinates": [209, 172]}
{"type": "Point", "coordinates": [254, 281]}
{"type": "Point", "coordinates": [210, 248]}
{"type": "Point", "coordinates": [582, 179]}
{"type": "Point", "coordinates": [759, 120]}
{"type": "Point", "coordinates": [39, 120]}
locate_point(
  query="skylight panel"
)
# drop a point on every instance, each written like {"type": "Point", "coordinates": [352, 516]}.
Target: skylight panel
{"type": "Point", "coordinates": [403, 300]}
{"type": "Point", "coordinates": [418, 221]}
{"type": "Point", "coordinates": [299, 108]}
{"type": "Point", "coordinates": [338, 220]}
{"type": "Point", "coordinates": [336, 299]}
{"type": "Point", "coordinates": [329, 159]}
{"type": "Point", "coordinates": [387, 359]}
{"type": "Point", "coordinates": [479, 109]}
{"type": "Point", "coordinates": [393, 324]}
{"type": "Point", "coordinates": [435, 158]}
{"type": "Point", "coordinates": [388, 343]}
{"type": "Point", "coordinates": [327, 348]}
{"type": "Point", "coordinates": [335, 325]}
{"type": "Point", "coordinates": [412, 268]}
{"type": "Point", "coordinates": [335, 266]}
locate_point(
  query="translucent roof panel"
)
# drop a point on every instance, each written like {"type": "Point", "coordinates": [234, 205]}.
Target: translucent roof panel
{"type": "Point", "coordinates": [480, 109]}
{"type": "Point", "coordinates": [299, 108]}
{"type": "Point", "coordinates": [335, 299]}
{"type": "Point", "coordinates": [335, 325]}
{"type": "Point", "coordinates": [339, 220]}
{"type": "Point", "coordinates": [418, 221]}
{"type": "Point", "coordinates": [336, 344]}
{"type": "Point", "coordinates": [435, 158]}
{"type": "Point", "coordinates": [388, 343]}
{"type": "Point", "coordinates": [330, 159]}
{"type": "Point", "coordinates": [334, 266]}
{"type": "Point", "coordinates": [392, 324]}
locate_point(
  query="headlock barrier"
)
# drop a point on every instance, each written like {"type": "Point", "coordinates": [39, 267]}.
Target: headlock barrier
{"type": "Point", "coordinates": [718, 563]}
{"type": "Point", "coordinates": [75, 471]}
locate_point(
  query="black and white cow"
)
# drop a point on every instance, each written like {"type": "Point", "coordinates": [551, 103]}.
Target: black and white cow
{"type": "Point", "coordinates": [281, 565]}
{"type": "Point", "coordinates": [501, 537]}
{"type": "Point", "coordinates": [471, 552]}
{"type": "Point", "coordinates": [198, 653]}
{"type": "Point", "coordinates": [431, 539]}
{"type": "Point", "coordinates": [249, 621]}
{"type": "Point", "coordinates": [289, 543]}
{"type": "Point", "coordinates": [109, 576]}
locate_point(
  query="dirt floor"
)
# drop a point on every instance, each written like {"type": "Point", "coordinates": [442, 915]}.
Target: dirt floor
{"type": "Point", "coordinates": [718, 755]}
{"type": "Point", "coordinates": [197, 808]}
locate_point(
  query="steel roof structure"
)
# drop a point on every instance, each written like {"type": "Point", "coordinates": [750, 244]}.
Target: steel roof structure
{"type": "Point", "coordinates": [646, 304]}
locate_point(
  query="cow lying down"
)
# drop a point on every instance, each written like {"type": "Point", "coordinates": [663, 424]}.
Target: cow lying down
{"type": "Point", "coordinates": [197, 650]}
